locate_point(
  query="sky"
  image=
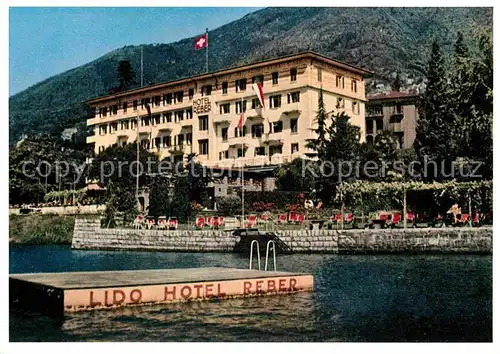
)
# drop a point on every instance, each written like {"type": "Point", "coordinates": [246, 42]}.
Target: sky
{"type": "Point", "coordinates": [46, 41]}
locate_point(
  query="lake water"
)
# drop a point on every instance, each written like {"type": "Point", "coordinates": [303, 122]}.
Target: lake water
{"type": "Point", "coordinates": [356, 298]}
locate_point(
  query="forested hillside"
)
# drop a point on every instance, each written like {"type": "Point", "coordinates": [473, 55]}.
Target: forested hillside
{"type": "Point", "coordinates": [384, 40]}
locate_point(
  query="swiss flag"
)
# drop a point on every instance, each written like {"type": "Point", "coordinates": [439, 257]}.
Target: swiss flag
{"type": "Point", "coordinates": [201, 42]}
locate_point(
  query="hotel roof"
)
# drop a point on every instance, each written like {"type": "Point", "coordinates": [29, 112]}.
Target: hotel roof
{"type": "Point", "coordinates": [302, 55]}
{"type": "Point", "coordinates": [393, 95]}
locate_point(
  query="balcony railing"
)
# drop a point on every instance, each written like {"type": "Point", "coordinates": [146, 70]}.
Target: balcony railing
{"type": "Point", "coordinates": [374, 112]}
{"type": "Point", "coordinates": [290, 108]}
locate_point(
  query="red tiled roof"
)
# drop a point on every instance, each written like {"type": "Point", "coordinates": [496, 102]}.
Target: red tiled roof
{"type": "Point", "coordinates": [391, 95]}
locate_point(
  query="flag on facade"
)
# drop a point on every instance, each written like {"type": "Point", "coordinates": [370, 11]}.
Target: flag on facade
{"type": "Point", "coordinates": [241, 122]}
{"type": "Point", "coordinates": [149, 110]}
{"type": "Point", "coordinates": [257, 87]}
{"type": "Point", "coordinates": [201, 42]}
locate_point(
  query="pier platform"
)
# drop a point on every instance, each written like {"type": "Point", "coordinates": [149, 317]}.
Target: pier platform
{"type": "Point", "coordinates": [56, 293]}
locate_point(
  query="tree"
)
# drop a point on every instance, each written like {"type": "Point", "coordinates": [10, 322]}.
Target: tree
{"type": "Point", "coordinates": [435, 134]}
{"type": "Point", "coordinates": [126, 75]}
{"type": "Point", "coordinates": [396, 84]}
{"type": "Point", "coordinates": [294, 177]}
{"type": "Point", "coordinates": [159, 196]}
{"type": "Point", "coordinates": [318, 143]}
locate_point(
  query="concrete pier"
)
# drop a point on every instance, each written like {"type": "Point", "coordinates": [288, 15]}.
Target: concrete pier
{"type": "Point", "coordinates": [56, 293]}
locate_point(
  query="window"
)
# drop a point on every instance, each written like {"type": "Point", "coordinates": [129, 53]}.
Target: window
{"type": "Point", "coordinates": [277, 126]}
{"type": "Point", "coordinates": [156, 119]}
{"type": "Point", "coordinates": [191, 93]}
{"type": "Point", "coordinates": [223, 155]}
{"type": "Point", "coordinates": [105, 111]}
{"type": "Point", "coordinates": [203, 147]}
{"type": "Point", "coordinates": [178, 116]}
{"type": "Point", "coordinates": [355, 107]}
{"type": "Point", "coordinates": [167, 117]}
{"type": "Point", "coordinates": [369, 126]}
{"type": "Point", "coordinates": [339, 81]}
{"type": "Point", "coordinates": [206, 90]}
{"type": "Point", "coordinates": [99, 112]}
{"type": "Point", "coordinates": [295, 148]}
{"type": "Point", "coordinates": [168, 98]}
{"type": "Point", "coordinates": [156, 101]}
{"type": "Point", "coordinates": [293, 97]}
{"type": "Point", "coordinates": [113, 127]}
{"type": "Point", "coordinates": [255, 103]}
{"type": "Point", "coordinates": [241, 85]}
{"type": "Point", "coordinates": [189, 113]}
{"type": "Point", "coordinates": [124, 125]}
{"type": "Point", "coordinates": [293, 126]}
{"type": "Point", "coordinates": [189, 138]}
{"type": "Point", "coordinates": [293, 74]}
{"type": "Point", "coordinates": [224, 87]}
{"type": "Point", "coordinates": [241, 106]}
{"type": "Point", "coordinates": [320, 75]}
{"type": "Point", "coordinates": [379, 124]}
{"type": "Point", "coordinates": [258, 78]}
{"type": "Point", "coordinates": [133, 123]}
{"type": "Point", "coordinates": [125, 106]}
{"type": "Point", "coordinates": [167, 141]}
{"type": "Point", "coordinates": [354, 86]}
{"type": "Point", "coordinates": [340, 102]}
{"type": "Point", "coordinates": [275, 101]}
{"type": "Point", "coordinates": [115, 109]}
{"type": "Point", "coordinates": [103, 129]}
{"type": "Point", "coordinates": [257, 130]}
{"type": "Point", "coordinates": [275, 78]}
{"type": "Point", "coordinates": [398, 109]}
{"type": "Point", "coordinates": [275, 149]}
{"type": "Point", "coordinates": [145, 121]}
{"type": "Point", "coordinates": [225, 108]}
{"type": "Point", "coordinates": [237, 132]}
{"type": "Point", "coordinates": [135, 105]}
{"type": "Point", "coordinates": [101, 149]}
{"type": "Point", "coordinates": [224, 133]}
{"type": "Point", "coordinates": [260, 151]}
{"type": "Point", "coordinates": [179, 96]}
{"type": "Point", "coordinates": [241, 152]}
{"type": "Point", "coordinates": [158, 142]}
{"type": "Point", "coordinates": [180, 139]}
{"type": "Point", "coordinates": [203, 120]}
{"type": "Point", "coordinates": [145, 102]}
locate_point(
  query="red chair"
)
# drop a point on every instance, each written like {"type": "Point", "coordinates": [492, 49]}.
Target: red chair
{"type": "Point", "coordinates": [410, 216]}
{"type": "Point", "coordinates": [476, 221]}
{"type": "Point", "coordinates": [292, 217]}
{"type": "Point", "coordinates": [139, 222]}
{"type": "Point", "coordinates": [264, 218]}
{"type": "Point", "coordinates": [150, 224]}
{"type": "Point", "coordinates": [395, 219]}
{"type": "Point", "coordinates": [208, 221]}
{"type": "Point", "coordinates": [301, 218]}
{"type": "Point", "coordinates": [383, 217]}
{"type": "Point", "coordinates": [215, 223]}
{"type": "Point", "coordinates": [200, 222]}
{"type": "Point", "coordinates": [464, 218]}
{"type": "Point", "coordinates": [221, 220]}
{"type": "Point", "coordinates": [172, 223]}
{"type": "Point", "coordinates": [349, 218]}
{"type": "Point", "coordinates": [281, 218]}
{"type": "Point", "coordinates": [252, 219]}
{"type": "Point", "coordinates": [336, 218]}
{"type": "Point", "coordinates": [162, 222]}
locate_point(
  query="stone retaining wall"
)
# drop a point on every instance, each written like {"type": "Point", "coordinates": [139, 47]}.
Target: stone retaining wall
{"type": "Point", "coordinates": [89, 235]}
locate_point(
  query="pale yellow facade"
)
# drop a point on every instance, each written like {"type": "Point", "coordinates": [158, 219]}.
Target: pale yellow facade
{"type": "Point", "coordinates": [186, 118]}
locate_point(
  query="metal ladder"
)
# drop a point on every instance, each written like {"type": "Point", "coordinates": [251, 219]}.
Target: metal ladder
{"type": "Point", "coordinates": [268, 247]}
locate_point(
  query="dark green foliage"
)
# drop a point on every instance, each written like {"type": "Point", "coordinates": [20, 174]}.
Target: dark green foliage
{"type": "Point", "coordinates": [319, 142]}
{"type": "Point", "coordinates": [295, 177]}
{"type": "Point", "coordinates": [159, 198]}
{"type": "Point", "coordinates": [41, 229]}
{"type": "Point", "coordinates": [229, 206]}
{"type": "Point", "coordinates": [396, 84]}
{"type": "Point", "coordinates": [384, 40]}
{"type": "Point", "coordinates": [126, 75]}
{"type": "Point", "coordinates": [280, 198]}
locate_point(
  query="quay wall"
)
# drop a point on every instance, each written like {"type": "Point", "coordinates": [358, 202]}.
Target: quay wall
{"type": "Point", "coordinates": [89, 235]}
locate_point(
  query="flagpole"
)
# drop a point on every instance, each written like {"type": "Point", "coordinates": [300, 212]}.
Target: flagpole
{"type": "Point", "coordinates": [242, 171]}
{"type": "Point", "coordinates": [137, 140]}
{"type": "Point", "coordinates": [206, 51]}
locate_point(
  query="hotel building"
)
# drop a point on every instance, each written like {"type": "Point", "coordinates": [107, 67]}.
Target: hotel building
{"type": "Point", "coordinates": [395, 111]}
{"type": "Point", "coordinates": [200, 114]}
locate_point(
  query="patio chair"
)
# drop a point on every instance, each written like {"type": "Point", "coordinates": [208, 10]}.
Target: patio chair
{"type": "Point", "coordinates": [464, 219]}
{"type": "Point", "coordinates": [292, 217]}
{"type": "Point", "coordinates": [281, 218]}
{"type": "Point", "coordinates": [221, 221]}
{"type": "Point", "coordinates": [476, 221]}
{"type": "Point", "coordinates": [215, 223]}
{"type": "Point", "coordinates": [252, 219]}
{"type": "Point", "coordinates": [263, 218]}
{"type": "Point", "coordinates": [301, 218]}
{"type": "Point", "coordinates": [410, 217]}
{"type": "Point", "coordinates": [208, 222]}
{"type": "Point", "coordinates": [139, 222]}
{"type": "Point", "coordinates": [173, 223]}
{"type": "Point", "coordinates": [199, 222]}
{"type": "Point", "coordinates": [162, 222]}
{"type": "Point", "coordinates": [395, 219]}
{"type": "Point", "coordinates": [349, 218]}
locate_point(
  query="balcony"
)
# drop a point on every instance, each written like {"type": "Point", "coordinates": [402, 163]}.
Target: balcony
{"type": "Point", "coordinates": [291, 108]}
{"type": "Point", "coordinates": [374, 112]}
{"type": "Point", "coordinates": [254, 114]}
{"type": "Point", "coordinates": [91, 139]}
{"type": "Point", "coordinates": [187, 123]}
{"type": "Point", "coordinates": [238, 141]}
{"type": "Point", "coordinates": [222, 118]}
{"type": "Point", "coordinates": [179, 149]}
{"type": "Point", "coordinates": [397, 112]}
{"type": "Point", "coordinates": [274, 138]}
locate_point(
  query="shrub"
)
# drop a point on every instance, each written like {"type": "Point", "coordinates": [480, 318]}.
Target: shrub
{"type": "Point", "coordinates": [230, 205]}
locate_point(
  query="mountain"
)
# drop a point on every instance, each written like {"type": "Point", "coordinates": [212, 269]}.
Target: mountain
{"type": "Point", "coordinates": [384, 40]}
